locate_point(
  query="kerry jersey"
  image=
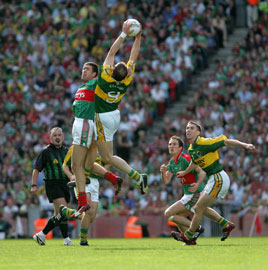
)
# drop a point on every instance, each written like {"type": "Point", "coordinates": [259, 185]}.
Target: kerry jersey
{"type": "Point", "coordinates": [83, 105]}
{"type": "Point", "coordinates": [109, 92]}
{"type": "Point", "coordinates": [204, 153]}
{"type": "Point", "coordinates": [180, 164]}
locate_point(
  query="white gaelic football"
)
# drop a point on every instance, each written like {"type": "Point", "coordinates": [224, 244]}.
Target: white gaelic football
{"type": "Point", "coordinates": [135, 27]}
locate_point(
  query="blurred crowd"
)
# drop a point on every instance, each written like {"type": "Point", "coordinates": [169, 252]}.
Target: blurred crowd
{"type": "Point", "coordinates": [44, 44]}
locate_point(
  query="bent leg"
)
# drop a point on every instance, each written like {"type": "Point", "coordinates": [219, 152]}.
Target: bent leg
{"type": "Point", "coordinates": [212, 214]}
{"type": "Point", "coordinates": [106, 152]}
{"type": "Point", "coordinates": [178, 213]}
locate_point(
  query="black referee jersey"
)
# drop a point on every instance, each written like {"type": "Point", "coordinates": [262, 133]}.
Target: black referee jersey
{"type": "Point", "coordinates": [50, 161]}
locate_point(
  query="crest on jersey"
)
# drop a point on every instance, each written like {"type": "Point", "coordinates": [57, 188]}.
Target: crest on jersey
{"type": "Point", "coordinates": [55, 161]}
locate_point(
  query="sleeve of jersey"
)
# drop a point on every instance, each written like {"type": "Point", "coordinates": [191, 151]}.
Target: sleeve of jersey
{"type": "Point", "coordinates": [128, 79]}
{"type": "Point", "coordinates": [213, 144]}
{"type": "Point", "coordinates": [40, 161]}
{"type": "Point", "coordinates": [106, 73]}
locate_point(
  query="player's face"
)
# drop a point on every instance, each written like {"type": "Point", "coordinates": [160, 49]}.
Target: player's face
{"type": "Point", "coordinates": [191, 131]}
{"type": "Point", "coordinates": [56, 138]}
{"type": "Point", "coordinates": [87, 73]}
{"type": "Point", "coordinates": [173, 147]}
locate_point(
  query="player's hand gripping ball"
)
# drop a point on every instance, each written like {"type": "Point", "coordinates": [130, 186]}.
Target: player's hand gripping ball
{"type": "Point", "coordinates": [135, 27]}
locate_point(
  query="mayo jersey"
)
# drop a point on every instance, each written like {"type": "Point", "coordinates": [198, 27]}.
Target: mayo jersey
{"type": "Point", "coordinates": [204, 153]}
{"type": "Point", "coordinates": [83, 105]}
{"type": "Point", "coordinates": [180, 164]}
{"type": "Point", "coordinates": [109, 92]}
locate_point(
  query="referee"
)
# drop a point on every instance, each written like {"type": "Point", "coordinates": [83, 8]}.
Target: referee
{"type": "Point", "coordinates": [50, 161]}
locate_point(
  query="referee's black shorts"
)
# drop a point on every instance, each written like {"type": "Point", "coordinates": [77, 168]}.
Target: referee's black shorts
{"type": "Point", "coordinates": [57, 189]}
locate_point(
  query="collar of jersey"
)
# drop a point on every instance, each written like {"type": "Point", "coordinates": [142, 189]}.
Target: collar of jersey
{"type": "Point", "coordinates": [178, 157]}
{"type": "Point", "coordinates": [196, 139]}
{"type": "Point", "coordinates": [89, 79]}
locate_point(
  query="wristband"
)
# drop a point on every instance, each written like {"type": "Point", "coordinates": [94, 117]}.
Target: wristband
{"type": "Point", "coordinates": [123, 35]}
{"type": "Point", "coordinates": [33, 185]}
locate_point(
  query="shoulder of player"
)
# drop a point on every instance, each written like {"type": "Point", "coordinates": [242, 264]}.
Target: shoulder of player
{"type": "Point", "coordinates": [186, 156]}
{"type": "Point", "coordinates": [208, 141]}
{"type": "Point", "coordinates": [90, 82]}
{"type": "Point", "coordinates": [65, 148]}
{"type": "Point", "coordinates": [46, 148]}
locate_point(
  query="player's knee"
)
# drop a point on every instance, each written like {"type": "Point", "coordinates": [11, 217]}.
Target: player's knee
{"type": "Point", "coordinates": [167, 213]}
{"type": "Point", "coordinates": [107, 159]}
{"type": "Point", "coordinates": [76, 166]}
{"type": "Point", "coordinates": [198, 209]}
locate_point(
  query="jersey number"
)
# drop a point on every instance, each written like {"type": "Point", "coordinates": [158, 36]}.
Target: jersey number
{"type": "Point", "coordinates": [113, 97]}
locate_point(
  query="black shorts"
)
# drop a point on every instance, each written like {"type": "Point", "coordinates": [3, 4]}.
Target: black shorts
{"type": "Point", "coordinates": [56, 189]}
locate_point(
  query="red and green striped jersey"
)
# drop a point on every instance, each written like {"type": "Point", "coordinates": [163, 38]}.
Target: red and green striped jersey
{"type": "Point", "coordinates": [180, 164]}
{"type": "Point", "coordinates": [110, 92]}
{"type": "Point", "coordinates": [83, 105]}
{"type": "Point", "coordinates": [204, 153]}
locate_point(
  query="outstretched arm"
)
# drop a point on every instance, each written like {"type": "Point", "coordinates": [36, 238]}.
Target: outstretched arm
{"type": "Point", "coordinates": [135, 48]}
{"type": "Point", "coordinates": [109, 60]}
{"type": "Point", "coordinates": [231, 142]}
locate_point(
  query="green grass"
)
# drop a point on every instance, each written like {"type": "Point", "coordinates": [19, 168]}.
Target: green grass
{"type": "Point", "coordinates": [136, 254]}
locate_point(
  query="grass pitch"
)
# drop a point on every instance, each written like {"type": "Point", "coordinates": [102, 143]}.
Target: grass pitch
{"type": "Point", "coordinates": [136, 254]}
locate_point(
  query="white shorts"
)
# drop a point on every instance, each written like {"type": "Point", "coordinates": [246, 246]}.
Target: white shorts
{"type": "Point", "coordinates": [107, 124]}
{"type": "Point", "coordinates": [93, 189]}
{"type": "Point", "coordinates": [218, 185]}
{"type": "Point", "coordinates": [83, 131]}
{"type": "Point", "coordinates": [189, 200]}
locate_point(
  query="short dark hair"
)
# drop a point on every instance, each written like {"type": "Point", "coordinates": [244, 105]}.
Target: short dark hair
{"type": "Point", "coordinates": [177, 138]}
{"type": "Point", "coordinates": [95, 67]}
{"type": "Point", "coordinates": [120, 72]}
{"type": "Point", "coordinates": [198, 126]}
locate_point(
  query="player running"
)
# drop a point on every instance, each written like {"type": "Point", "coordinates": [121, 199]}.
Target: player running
{"type": "Point", "coordinates": [192, 184]}
{"type": "Point", "coordinates": [204, 153]}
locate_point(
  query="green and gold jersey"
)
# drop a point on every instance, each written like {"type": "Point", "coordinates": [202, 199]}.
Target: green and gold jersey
{"type": "Point", "coordinates": [83, 105]}
{"type": "Point", "coordinates": [109, 92]}
{"type": "Point", "coordinates": [204, 153]}
{"type": "Point", "coordinates": [180, 164]}
{"type": "Point", "coordinates": [88, 173]}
